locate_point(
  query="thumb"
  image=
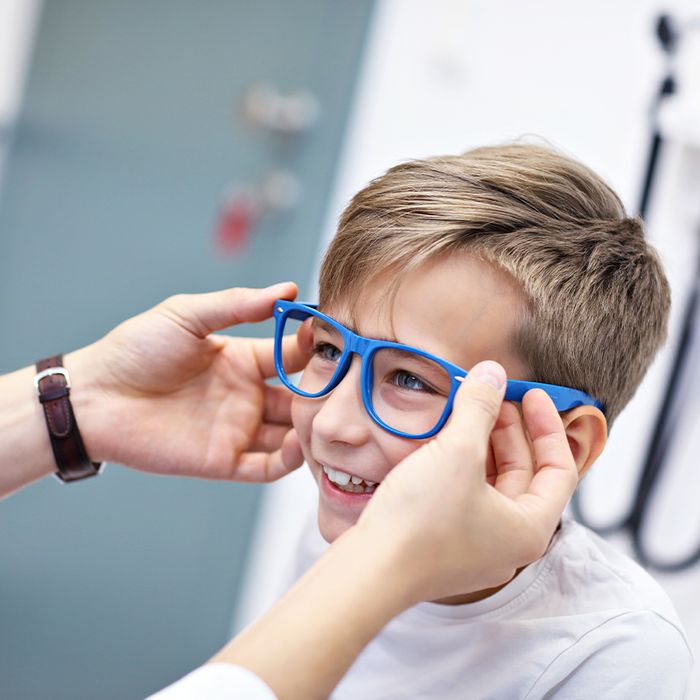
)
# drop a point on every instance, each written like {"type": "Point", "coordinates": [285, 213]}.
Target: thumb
{"type": "Point", "coordinates": [476, 406]}
{"type": "Point", "coordinates": [202, 314]}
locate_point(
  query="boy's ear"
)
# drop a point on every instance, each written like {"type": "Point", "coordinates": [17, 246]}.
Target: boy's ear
{"type": "Point", "coordinates": [587, 432]}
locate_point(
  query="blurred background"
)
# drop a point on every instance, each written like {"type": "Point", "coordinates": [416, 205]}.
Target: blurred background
{"type": "Point", "coordinates": [154, 148]}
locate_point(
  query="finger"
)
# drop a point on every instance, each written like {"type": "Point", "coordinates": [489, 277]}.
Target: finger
{"type": "Point", "coordinates": [556, 475]}
{"type": "Point", "coordinates": [476, 406]}
{"type": "Point", "coordinates": [296, 351]}
{"type": "Point", "coordinates": [265, 467]}
{"type": "Point", "coordinates": [513, 458]}
{"type": "Point", "coordinates": [491, 473]}
{"type": "Point", "coordinates": [269, 437]}
{"type": "Point", "coordinates": [278, 405]}
{"type": "Point", "coordinates": [202, 314]}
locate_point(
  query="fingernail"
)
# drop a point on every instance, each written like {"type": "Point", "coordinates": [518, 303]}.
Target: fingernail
{"type": "Point", "coordinates": [490, 373]}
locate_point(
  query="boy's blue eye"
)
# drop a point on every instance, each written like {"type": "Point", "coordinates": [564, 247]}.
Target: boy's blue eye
{"type": "Point", "coordinates": [406, 380]}
{"type": "Point", "coordinates": [328, 352]}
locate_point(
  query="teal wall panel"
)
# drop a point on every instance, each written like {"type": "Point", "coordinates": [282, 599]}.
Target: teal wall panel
{"type": "Point", "coordinates": [128, 137]}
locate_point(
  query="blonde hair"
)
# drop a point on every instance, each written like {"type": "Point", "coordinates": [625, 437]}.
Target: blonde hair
{"type": "Point", "coordinates": [597, 296]}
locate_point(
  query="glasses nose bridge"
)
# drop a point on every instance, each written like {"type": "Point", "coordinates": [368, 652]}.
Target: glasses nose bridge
{"type": "Point", "coordinates": [357, 345]}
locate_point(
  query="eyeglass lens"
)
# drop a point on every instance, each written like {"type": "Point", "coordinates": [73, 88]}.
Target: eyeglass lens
{"type": "Point", "coordinates": [408, 391]}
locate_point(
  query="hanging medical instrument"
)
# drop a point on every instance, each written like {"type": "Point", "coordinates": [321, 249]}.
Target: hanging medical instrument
{"type": "Point", "coordinates": [685, 360]}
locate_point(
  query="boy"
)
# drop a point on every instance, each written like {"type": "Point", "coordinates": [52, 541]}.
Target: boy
{"type": "Point", "coordinates": [521, 255]}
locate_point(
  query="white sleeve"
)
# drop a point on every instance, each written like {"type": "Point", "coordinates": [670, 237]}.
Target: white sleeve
{"type": "Point", "coordinates": [638, 655]}
{"type": "Point", "coordinates": [217, 682]}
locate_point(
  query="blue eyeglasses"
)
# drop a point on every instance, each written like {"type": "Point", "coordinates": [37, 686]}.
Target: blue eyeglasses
{"type": "Point", "coordinates": [405, 390]}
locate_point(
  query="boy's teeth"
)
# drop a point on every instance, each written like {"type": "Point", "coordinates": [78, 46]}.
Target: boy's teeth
{"type": "Point", "coordinates": [349, 482]}
{"type": "Point", "coordinates": [341, 478]}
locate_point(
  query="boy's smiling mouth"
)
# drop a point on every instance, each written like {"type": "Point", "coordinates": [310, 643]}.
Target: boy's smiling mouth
{"type": "Point", "coordinates": [348, 483]}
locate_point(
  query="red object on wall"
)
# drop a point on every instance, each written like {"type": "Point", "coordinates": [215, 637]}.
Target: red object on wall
{"type": "Point", "coordinates": [237, 218]}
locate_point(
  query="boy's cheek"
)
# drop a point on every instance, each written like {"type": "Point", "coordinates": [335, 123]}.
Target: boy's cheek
{"type": "Point", "coordinates": [295, 412]}
{"type": "Point", "coordinates": [401, 448]}
{"type": "Point", "coordinates": [301, 423]}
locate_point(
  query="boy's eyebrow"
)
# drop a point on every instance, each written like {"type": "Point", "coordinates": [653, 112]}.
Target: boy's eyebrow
{"type": "Point", "coordinates": [323, 325]}
{"type": "Point", "coordinates": [320, 323]}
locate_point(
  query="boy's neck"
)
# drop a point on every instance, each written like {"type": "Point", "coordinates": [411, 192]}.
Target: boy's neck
{"type": "Point", "coordinates": [475, 596]}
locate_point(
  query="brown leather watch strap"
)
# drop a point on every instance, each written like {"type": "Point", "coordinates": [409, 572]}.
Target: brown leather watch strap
{"type": "Point", "coordinates": [72, 461]}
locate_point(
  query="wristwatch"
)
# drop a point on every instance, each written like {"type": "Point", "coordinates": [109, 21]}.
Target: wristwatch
{"type": "Point", "coordinates": [52, 383]}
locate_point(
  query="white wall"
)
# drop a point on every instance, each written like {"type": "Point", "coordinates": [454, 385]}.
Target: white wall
{"type": "Point", "coordinates": [444, 76]}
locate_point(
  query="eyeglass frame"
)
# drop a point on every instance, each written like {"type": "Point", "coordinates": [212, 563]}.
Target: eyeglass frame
{"type": "Point", "coordinates": [564, 398]}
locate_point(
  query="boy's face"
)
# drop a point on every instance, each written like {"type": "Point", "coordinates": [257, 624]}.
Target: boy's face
{"type": "Point", "coordinates": [458, 308]}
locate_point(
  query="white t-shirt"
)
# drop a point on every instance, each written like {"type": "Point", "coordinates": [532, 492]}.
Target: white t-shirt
{"type": "Point", "coordinates": [584, 621]}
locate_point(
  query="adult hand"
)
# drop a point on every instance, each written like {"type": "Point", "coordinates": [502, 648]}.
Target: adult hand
{"type": "Point", "coordinates": [457, 530]}
{"type": "Point", "coordinates": [162, 393]}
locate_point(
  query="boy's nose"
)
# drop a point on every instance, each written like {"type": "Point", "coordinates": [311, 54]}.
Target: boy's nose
{"type": "Point", "coordinates": [342, 416]}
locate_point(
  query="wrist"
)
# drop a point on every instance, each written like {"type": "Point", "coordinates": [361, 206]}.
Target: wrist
{"type": "Point", "coordinates": [25, 450]}
{"type": "Point", "coordinates": [382, 561]}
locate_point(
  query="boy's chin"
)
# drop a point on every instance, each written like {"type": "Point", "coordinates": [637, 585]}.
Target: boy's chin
{"type": "Point", "coordinates": [332, 527]}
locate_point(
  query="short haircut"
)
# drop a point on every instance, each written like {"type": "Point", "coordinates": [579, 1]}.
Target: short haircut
{"type": "Point", "coordinates": [596, 295]}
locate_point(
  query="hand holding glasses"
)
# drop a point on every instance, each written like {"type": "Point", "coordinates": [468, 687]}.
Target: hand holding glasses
{"type": "Point", "coordinates": [405, 390]}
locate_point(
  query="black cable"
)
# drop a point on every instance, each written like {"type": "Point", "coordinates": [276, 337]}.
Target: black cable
{"type": "Point", "coordinates": [675, 398]}
{"type": "Point", "coordinates": [668, 38]}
